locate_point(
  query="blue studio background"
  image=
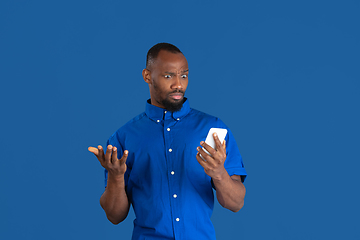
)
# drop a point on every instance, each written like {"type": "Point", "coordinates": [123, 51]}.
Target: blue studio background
{"type": "Point", "coordinates": [283, 75]}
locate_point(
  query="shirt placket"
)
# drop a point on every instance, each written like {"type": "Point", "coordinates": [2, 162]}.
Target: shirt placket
{"type": "Point", "coordinates": [172, 173]}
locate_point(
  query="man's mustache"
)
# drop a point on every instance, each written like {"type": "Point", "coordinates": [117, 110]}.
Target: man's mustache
{"type": "Point", "coordinates": [177, 91]}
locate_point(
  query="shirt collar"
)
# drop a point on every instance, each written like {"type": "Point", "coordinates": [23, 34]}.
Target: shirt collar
{"type": "Point", "coordinates": [157, 113]}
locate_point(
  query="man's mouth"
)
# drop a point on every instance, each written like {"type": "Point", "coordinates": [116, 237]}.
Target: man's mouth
{"type": "Point", "coordinates": [176, 96]}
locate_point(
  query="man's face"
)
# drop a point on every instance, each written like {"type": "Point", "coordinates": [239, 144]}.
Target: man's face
{"type": "Point", "coordinates": [167, 77]}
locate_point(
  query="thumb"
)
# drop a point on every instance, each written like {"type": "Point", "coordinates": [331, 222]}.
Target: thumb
{"type": "Point", "coordinates": [93, 150]}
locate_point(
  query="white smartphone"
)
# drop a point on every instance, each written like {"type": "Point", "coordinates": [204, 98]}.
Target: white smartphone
{"type": "Point", "coordinates": [221, 132]}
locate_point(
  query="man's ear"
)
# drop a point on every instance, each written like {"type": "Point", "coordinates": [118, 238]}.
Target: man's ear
{"type": "Point", "coordinates": [146, 76]}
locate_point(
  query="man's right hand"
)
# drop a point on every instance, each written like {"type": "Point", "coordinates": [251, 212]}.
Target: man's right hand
{"type": "Point", "coordinates": [116, 167]}
{"type": "Point", "coordinates": [114, 200]}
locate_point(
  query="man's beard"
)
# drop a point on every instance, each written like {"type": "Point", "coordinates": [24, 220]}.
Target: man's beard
{"type": "Point", "coordinates": [172, 106]}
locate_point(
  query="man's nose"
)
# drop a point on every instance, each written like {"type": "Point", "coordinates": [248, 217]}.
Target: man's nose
{"type": "Point", "coordinates": [177, 84]}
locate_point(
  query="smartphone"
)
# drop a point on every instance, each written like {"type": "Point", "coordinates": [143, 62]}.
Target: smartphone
{"type": "Point", "coordinates": [221, 132]}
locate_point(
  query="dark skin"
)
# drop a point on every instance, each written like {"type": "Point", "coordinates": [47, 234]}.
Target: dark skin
{"type": "Point", "coordinates": [114, 200]}
{"type": "Point", "coordinates": [230, 191]}
{"type": "Point", "coordinates": [167, 78]}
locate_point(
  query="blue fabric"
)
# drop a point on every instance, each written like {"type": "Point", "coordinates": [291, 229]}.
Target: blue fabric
{"type": "Point", "coordinates": [171, 194]}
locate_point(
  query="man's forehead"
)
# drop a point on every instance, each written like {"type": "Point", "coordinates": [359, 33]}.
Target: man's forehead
{"type": "Point", "coordinates": [170, 60]}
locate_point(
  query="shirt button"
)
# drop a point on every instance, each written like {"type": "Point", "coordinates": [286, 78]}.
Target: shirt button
{"type": "Point", "coordinates": [178, 119]}
{"type": "Point", "coordinates": [177, 219]}
{"type": "Point", "coordinates": [175, 196]}
{"type": "Point", "coordinates": [168, 129]}
{"type": "Point", "coordinates": [170, 150]}
{"type": "Point", "coordinates": [172, 172]}
{"type": "Point", "coordinates": [158, 120]}
{"type": "Point", "coordinates": [165, 112]}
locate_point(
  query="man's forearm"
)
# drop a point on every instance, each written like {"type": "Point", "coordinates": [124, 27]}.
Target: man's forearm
{"type": "Point", "coordinates": [230, 192]}
{"type": "Point", "coordinates": [114, 200]}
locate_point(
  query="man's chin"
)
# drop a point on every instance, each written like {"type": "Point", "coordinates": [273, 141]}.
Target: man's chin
{"type": "Point", "coordinates": [173, 105]}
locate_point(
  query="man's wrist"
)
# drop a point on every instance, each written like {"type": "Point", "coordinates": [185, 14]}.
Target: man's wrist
{"type": "Point", "coordinates": [116, 178]}
{"type": "Point", "coordinates": [221, 177]}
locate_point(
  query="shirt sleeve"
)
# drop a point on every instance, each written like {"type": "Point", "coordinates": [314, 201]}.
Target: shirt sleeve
{"type": "Point", "coordinates": [234, 164]}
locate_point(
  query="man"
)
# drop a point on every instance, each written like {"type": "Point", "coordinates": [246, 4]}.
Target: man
{"type": "Point", "coordinates": [153, 162]}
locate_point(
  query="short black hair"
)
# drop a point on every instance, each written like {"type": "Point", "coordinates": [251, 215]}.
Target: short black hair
{"type": "Point", "coordinates": [154, 51]}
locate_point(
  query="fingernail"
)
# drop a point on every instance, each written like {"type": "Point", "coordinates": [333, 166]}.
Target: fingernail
{"type": "Point", "coordinates": [198, 148]}
{"type": "Point", "coordinates": [215, 134]}
{"type": "Point", "coordinates": [99, 147]}
{"type": "Point", "coordinates": [109, 147]}
{"type": "Point", "coordinates": [202, 143]}
{"type": "Point", "coordinates": [126, 152]}
{"type": "Point", "coordinates": [114, 149]}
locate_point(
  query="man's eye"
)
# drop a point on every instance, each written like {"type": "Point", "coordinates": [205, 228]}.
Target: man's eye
{"type": "Point", "coordinates": [167, 76]}
{"type": "Point", "coordinates": [184, 76]}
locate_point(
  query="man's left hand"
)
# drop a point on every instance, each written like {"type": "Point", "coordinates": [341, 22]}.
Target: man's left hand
{"type": "Point", "coordinates": [213, 164]}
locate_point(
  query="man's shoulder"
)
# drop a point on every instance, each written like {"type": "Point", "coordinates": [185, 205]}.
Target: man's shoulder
{"type": "Point", "coordinates": [138, 119]}
{"type": "Point", "coordinates": [203, 116]}
{"type": "Point", "coordinates": [135, 119]}
{"type": "Point", "coordinates": [131, 124]}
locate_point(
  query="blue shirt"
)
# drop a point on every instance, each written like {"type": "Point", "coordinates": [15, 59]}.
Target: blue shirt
{"type": "Point", "coordinates": [171, 194]}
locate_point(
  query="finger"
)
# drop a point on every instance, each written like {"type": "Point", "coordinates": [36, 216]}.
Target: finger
{"type": "Point", "coordinates": [224, 145]}
{"type": "Point", "coordinates": [94, 150]}
{"type": "Point", "coordinates": [200, 160]}
{"type": "Point", "coordinates": [208, 148]}
{"type": "Point", "coordinates": [101, 156]}
{"type": "Point", "coordinates": [217, 143]}
{"type": "Point", "coordinates": [114, 158]}
{"type": "Point", "coordinates": [205, 156]}
{"type": "Point", "coordinates": [124, 157]}
{"type": "Point", "coordinates": [108, 154]}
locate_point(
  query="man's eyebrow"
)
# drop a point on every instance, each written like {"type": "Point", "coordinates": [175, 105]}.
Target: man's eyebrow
{"type": "Point", "coordinates": [172, 73]}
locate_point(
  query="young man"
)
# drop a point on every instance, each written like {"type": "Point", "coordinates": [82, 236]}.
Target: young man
{"type": "Point", "coordinates": [153, 162]}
